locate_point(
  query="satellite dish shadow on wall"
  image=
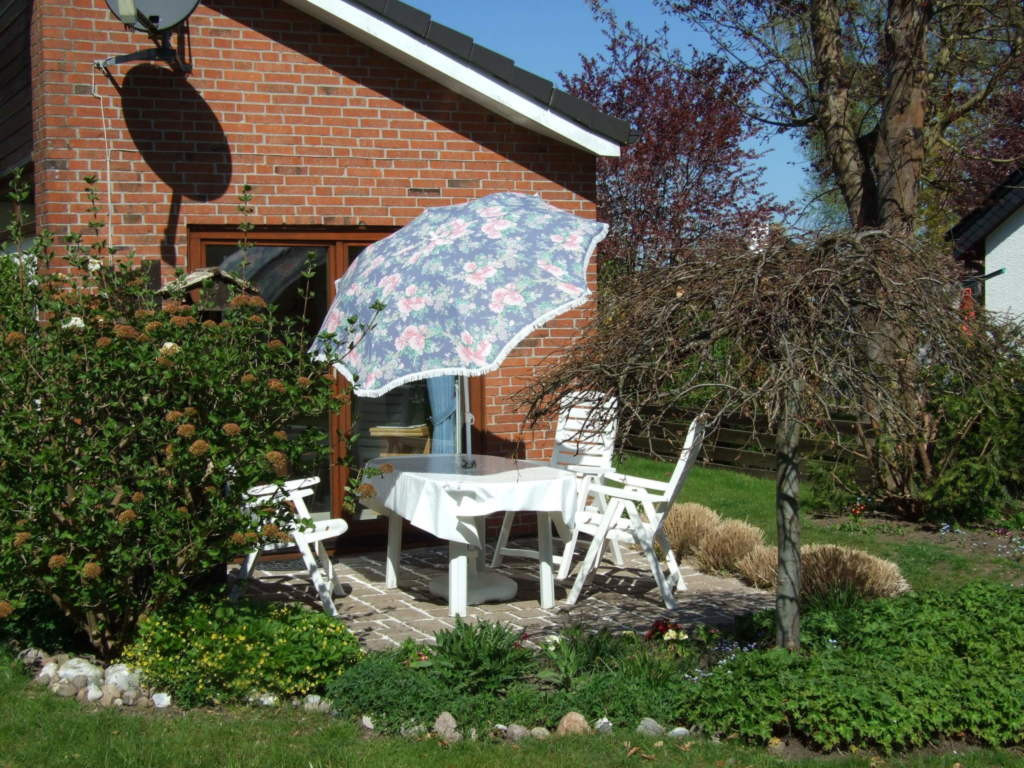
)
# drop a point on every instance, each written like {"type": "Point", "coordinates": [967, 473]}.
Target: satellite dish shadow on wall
{"type": "Point", "coordinates": [178, 136]}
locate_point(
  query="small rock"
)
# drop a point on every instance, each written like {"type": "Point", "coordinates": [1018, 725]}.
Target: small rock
{"type": "Point", "coordinates": [161, 700]}
{"type": "Point", "coordinates": [123, 676]}
{"type": "Point", "coordinates": [473, 736]}
{"type": "Point", "coordinates": [775, 744]}
{"type": "Point", "coordinates": [516, 732]}
{"type": "Point", "coordinates": [366, 725]}
{"type": "Point", "coordinates": [603, 725]}
{"type": "Point", "coordinates": [74, 670]}
{"type": "Point", "coordinates": [93, 693]}
{"type": "Point", "coordinates": [80, 693]}
{"type": "Point", "coordinates": [413, 730]}
{"type": "Point", "coordinates": [129, 697]}
{"type": "Point", "coordinates": [143, 702]}
{"type": "Point", "coordinates": [572, 722]}
{"type": "Point", "coordinates": [63, 688]}
{"type": "Point", "coordinates": [678, 733]}
{"type": "Point", "coordinates": [650, 727]}
{"type": "Point", "coordinates": [312, 703]}
{"type": "Point", "coordinates": [446, 728]}
{"type": "Point", "coordinates": [118, 702]}
{"type": "Point", "coordinates": [47, 674]}
{"type": "Point", "coordinates": [540, 732]}
{"type": "Point", "coordinates": [33, 658]}
{"type": "Point", "coordinates": [110, 692]}
{"type": "Point", "coordinates": [267, 700]}
{"type": "Point", "coordinates": [499, 731]}
{"type": "Point", "coordinates": [81, 681]}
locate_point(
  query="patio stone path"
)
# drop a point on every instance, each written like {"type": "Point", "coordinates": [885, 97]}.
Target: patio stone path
{"type": "Point", "coordinates": [617, 598]}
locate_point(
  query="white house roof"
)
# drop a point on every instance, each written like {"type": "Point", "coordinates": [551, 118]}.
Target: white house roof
{"type": "Point", "coordinates": [454, 60]}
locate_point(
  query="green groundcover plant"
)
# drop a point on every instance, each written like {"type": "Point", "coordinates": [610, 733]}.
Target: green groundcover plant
{"type": "Point", "coordinates": [130, 428]}
{"type": "Point", "coordinates": [223, 653]}
{"type": "Point", "coordinates": [886, 674]}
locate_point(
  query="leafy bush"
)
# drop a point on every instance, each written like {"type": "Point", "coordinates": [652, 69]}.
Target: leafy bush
{"type": "Point", "coordinates": [889, 673]}
{"type": "Point", "coordinates": [978, 452]}
{"type": "Point", "coordinates": [483, 657]}
{"type": "Point", "coordinates": [129, 432]}
{"type": "Point", "coordinates": [209, 654]}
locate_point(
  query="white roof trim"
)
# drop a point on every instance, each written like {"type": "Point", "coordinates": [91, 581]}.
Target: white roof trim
{"type": "Point", "coordinates": [496, 96]}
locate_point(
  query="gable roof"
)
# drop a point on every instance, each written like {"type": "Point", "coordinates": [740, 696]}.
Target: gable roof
{"type": "Point", "coordinates": [979, 223]}
{"type": "Point", "coordinates": [453, 59]}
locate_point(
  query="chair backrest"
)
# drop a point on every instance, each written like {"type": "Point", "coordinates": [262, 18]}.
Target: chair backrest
{"type": "Point", "coordinates": [687, 457]}
{"type": "Point", "coordinates": [293, 491]}
{"type": "Point", "coordinates": [585, 433]}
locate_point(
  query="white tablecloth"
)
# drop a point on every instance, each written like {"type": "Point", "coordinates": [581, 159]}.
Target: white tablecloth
{"type": "Point", "coordinates": [436, 494]}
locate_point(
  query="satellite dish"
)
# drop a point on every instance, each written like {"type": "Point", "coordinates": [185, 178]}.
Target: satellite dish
{"type": "Point", "coordinates": [158, 19]}
{"type": "Point", "coordinates": [152, 16]}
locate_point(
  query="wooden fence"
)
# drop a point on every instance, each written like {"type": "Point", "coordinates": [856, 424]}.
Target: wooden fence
{"type": "Point", "coordinates": [735, 443]}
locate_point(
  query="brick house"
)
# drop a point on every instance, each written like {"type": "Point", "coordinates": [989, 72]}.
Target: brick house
{"type": "Point", "coordinates": [347, 118]}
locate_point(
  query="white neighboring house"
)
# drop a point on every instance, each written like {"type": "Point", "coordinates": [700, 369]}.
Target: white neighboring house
{"type": "Point", "coordinates": [992, 236]}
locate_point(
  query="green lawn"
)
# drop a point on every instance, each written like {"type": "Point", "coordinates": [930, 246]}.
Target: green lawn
{"type": "Point", "coordinates": [926, 562]}
{"type": "Point", "coordinates": [38, 730]}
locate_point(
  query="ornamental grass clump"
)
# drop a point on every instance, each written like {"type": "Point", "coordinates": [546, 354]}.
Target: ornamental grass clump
{"type": "Point", "coordinates": [759, 567]}
{"type": "Point", "coordinates": [124, 477]}
{"type": "Point", "coordinates": [824, 568]}
{"type": "Point", "coordinates": [721, 549]}
{"type": "Point", "coordinates": [687, 524]}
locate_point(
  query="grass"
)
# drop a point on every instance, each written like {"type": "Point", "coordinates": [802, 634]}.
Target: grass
{"type": "Point", "coordinates": [39, 730]}
{"type": "Point", "coordinates": [925, 563]}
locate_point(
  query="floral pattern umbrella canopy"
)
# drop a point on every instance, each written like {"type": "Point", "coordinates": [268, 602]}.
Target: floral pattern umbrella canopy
{"type": "Point", "coordinates": [462, 285]}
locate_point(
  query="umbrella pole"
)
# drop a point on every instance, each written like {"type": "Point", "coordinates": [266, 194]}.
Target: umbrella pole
{"type": "Point", "coordinates": [467, 416]}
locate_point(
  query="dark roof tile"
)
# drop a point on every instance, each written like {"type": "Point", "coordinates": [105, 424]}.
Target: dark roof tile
{"type": "Point", "coordinates": [499, 67]}
{"type": "Point", "coordinates": [451, 40]}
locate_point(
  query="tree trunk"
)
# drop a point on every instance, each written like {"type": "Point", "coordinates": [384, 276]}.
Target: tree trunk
{"type": "Point", "coordinates": [787, 507]}
{"type": "Point", "coordinates": [899, 151]}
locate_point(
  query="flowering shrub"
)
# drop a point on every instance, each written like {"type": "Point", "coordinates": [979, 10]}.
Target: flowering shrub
{"type": "Point", "coordinates": [212, 654]}
{"type": "Point", "coordinates": [130, 429]}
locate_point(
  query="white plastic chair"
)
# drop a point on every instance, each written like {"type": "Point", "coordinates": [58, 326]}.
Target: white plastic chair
{"type": "Point", "coordinates": [319, 569]}
{"type": "Point", "coordinates": [584, 444]}
{"type": "Point", "coordinates": [635, 513]}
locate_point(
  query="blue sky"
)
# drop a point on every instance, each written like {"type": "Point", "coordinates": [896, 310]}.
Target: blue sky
{"type": "Point", "coordinates": [547, 36]}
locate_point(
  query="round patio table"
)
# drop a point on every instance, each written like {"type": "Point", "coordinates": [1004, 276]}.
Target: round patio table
{"type": "Point", "coordinates": [450, 496]}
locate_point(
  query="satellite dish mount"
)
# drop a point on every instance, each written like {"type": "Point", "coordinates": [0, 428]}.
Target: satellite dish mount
{"type": "Point", "coordinates": [159, 19]}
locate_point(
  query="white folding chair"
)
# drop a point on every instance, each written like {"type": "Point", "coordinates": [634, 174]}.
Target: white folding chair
{"type": "Point", "coordinates": [306, 537]}
{"type": "Point", "coordinates": [584, 444]}
{"type": "Point", "coordinates": [636, 513]}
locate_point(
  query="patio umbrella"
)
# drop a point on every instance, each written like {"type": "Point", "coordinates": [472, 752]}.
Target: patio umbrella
{"type": "Point", "coordinates": [461, 286]}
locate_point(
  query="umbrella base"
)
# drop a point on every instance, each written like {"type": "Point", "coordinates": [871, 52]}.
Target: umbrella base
{"type": "Point", "coordinates": [484, 586]}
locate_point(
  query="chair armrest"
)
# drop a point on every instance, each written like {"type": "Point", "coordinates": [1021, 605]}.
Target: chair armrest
{"type": "Point", "coordinates": [630, 494]}
{"type": "Point", "coordinates": [634, 481]}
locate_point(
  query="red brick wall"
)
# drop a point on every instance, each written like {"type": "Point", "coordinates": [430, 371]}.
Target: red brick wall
{"type": "Point", "coordinates": [327, 131]}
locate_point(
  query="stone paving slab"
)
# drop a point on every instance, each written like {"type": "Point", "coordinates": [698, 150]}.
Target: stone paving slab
{"type": "Point", "coordinates": [617, 598]}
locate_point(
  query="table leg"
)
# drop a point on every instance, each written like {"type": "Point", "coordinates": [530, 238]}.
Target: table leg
{"type": "Point", "coordinates": [458, 555]}
{"type": "Point", "coordinates": [394, 551]}
{"type": "Point", "coordinates": [547, 578]}
{"type": "Point", "coordinates": [478, 555]}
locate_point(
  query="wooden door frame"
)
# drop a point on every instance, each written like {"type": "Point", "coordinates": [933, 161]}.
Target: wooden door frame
{"type": "Point", "coordinates": [337, 241]}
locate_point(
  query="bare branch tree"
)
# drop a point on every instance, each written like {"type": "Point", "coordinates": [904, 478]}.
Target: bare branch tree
{"type": "Point", "coordinates": [789, 333]}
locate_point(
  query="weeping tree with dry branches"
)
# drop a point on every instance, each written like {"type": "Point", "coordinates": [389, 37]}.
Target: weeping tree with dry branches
{"type": "Point", "coordinates": [785, 333]}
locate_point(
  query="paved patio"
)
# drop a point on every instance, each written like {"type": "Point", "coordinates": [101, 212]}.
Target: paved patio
{"type": "Point", "coordinates": [617, 598]}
